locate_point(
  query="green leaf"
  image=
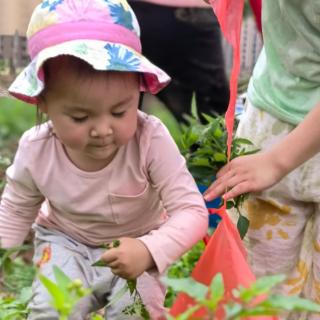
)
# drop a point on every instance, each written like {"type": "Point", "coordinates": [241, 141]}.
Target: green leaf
{"type": "Point", "coordinates": [118, 295]}
{"type": "Point", "coordinates": [292, 303]}
{"type": "Point", "coordinates": [132, 285]}
{"type": "Point", "coordinates": [105, 246]}
{"type": "Point", "coordinates": [205, 152]}
{"type": "Point", "coordinates": [243, 226]}
{"type": "Point", "coordinates": [99, 263]}
{"type": "Point", "coordinates": [53, 289]}
{"type": "Point", "coordinates": [201, 162]}
{"type": "Point", "coordinates": [260, 286]}
{"type": "Point", "coordinates": [187, 314]}
{"type": "Point", "coordinates": [6, 253]}
{"type": "Point", "coordinates": [242, 141]}
{"type": "Point", "coordinates": [116, 243]}
{"type": "Point", "coordinates": [250, 152]}
{"type": "Point", "coordinates": [194, 289]}
{"type": "Point", "coordinates": [208, 118]}
{"type": "Point", "coordinates": [13, 314]}
{"type": "Point", "coordinates": [25, 295]}
{"type": "Point", "coordinates": [257, 311]}
{"type": "Point", "coordinates": [140, 309]}
{"type": "Point", "coordinates": [232, 310]}
{"type": "Point", "coordinates": [62, 280]}
{"type": "Point", "coordinates": [194, 111]}
{"type": "Point", "coordinates": [239, 200]}
{"type": "Point", "coordinates": [230, 204]}
{"type": "Point", "coordinates": [218, 133]}
{"type": "Point", "coordinates": [216, 291]}
{"type": "Point", "coordinates": [220, 157]}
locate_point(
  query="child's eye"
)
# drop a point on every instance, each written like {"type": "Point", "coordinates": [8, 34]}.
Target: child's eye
{"type": "Point", "coordinates": [118, 114]}
{"type": "Point", "coordinates": [79, 119]}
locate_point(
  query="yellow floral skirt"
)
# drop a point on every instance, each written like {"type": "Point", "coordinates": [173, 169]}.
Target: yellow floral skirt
{"type": "Point", "coordinates": [284, 233]}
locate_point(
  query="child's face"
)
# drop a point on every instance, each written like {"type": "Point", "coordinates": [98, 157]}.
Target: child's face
{"type": "Point", "coordinates": [93, 115]}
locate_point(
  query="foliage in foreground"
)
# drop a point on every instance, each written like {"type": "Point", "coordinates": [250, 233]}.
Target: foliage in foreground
{"type": "Point", "coordinates": [256, 300]}
{"type": "Point", "coordinates": [252, 301]}
{"type": "Point", "coordinates": [15, 284]}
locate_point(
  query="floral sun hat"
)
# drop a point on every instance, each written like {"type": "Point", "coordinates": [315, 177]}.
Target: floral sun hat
{"type": "Point", "coordinates": [103, 33]}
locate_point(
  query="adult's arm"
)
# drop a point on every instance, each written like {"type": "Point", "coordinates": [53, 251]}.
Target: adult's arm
{"type": "Point", "coordinates": [260, 171]}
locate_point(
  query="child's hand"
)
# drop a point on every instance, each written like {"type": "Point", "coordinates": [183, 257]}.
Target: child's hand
{"type": "Point", "coordinates": [130, 259]}
{"type": "Point", "coordinates": [245, 174]}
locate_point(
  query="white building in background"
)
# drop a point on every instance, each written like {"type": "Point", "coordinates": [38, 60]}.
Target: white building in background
{"type": "Point", "coordinates": [14, 18]}
{"type": "Point", "coordinates": [250, 46]}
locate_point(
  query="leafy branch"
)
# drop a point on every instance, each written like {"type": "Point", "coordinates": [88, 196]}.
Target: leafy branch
{"type": "Point", "coordinates": [137, 307]}
{"type": "Point", "coordinates": [65, 293]}
{"type": "Point", "coordinates": [204, 147]}
{"type": "Point", "coordinates": [256, 300]}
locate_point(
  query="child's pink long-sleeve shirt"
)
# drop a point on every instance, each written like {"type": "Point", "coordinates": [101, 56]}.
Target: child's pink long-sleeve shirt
{"type": "Point", "coordinates": [127, 198]}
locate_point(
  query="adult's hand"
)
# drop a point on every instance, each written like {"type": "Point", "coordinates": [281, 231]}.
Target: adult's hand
{"type": "Point", "coordinates": [245, 174]}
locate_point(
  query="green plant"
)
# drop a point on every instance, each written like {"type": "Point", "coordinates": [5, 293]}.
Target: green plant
{"type": "Point", "coordinates": [204, 147]}
{"type": "Point", "coordinates": [65, 292]}
{"type": "Point", "coordinates": [15, 118]}
{"type": "Point", "coordinates": [4, 163]}
{"type": "Point", "coordinates": [15, 307]}
{"type": "Point", "coordinates": [15, 274]}
{"type": "Point", "coordinates": [256, 300]}
{"type": "Point", "coordinates": [137, 307]}
{"type": "Point", "coordinates": [182, 268]}
{"type": "Point", "coordinates": [15, 284]}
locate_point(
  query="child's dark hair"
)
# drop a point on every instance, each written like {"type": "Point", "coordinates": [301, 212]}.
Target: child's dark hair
{"type": "Point", "coordinates": [64, 63]}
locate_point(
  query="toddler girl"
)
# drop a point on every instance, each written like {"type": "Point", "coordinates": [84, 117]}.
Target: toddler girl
{"type": "Point", "coordinates": [99, 169]}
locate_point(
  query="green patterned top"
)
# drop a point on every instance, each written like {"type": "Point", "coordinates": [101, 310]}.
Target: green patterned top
{"type": "Point", "coordinates": [286, 78]}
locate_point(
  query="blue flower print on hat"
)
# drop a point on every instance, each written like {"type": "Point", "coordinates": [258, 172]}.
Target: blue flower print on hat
{"type": "Point", "coordinates": [121, 15]}
{"type": "Point", "coordinates": [52, 4]}
{"type": "Point", "coordinates": [121, 58]}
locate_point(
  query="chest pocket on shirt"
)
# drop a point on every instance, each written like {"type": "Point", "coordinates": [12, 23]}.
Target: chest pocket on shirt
{"type": "Point", "coordinates": [130, 207]}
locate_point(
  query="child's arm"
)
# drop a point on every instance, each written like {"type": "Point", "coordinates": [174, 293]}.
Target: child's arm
{"type": "Point", "coordinates": [187, 221]}
{"type": "Point", "coordinates": [260, 171]}
{"type": "Point", "coordinates": [20, 201]}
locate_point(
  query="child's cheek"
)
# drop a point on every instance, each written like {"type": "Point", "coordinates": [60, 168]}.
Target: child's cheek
{"type": "Point", "coordinates": [75, 139]}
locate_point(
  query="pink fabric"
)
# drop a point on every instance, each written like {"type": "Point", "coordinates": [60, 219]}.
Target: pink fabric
{"type": "Point", "coordinates": [103, 31]}
{"type": "Point", "coordinates": [126, 198]}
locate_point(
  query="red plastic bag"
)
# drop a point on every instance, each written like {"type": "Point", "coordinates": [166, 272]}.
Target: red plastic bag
{"type": "Point", "coordinates": [229, 14]}
{"type": "Point", "coordinates": [224, 254]}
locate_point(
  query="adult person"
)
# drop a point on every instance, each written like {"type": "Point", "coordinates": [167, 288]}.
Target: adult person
{"type": "Point", "coordinates": [282, 118]}
{"type": "Point", "coordinates": [183, 38]}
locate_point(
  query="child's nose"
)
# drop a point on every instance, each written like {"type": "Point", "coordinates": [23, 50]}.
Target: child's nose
{"type": "Point", "coordinates": [101, 129]}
